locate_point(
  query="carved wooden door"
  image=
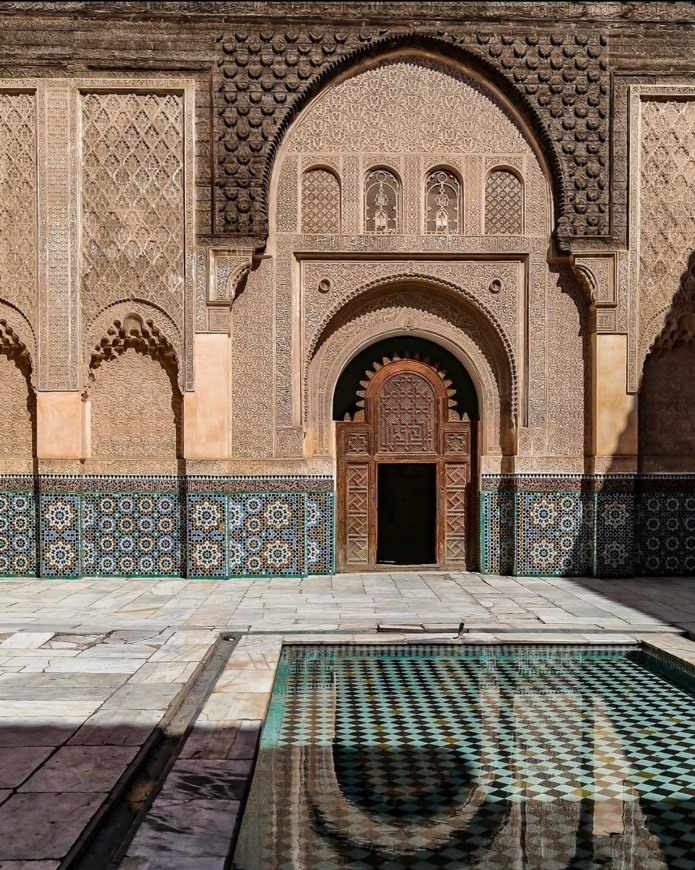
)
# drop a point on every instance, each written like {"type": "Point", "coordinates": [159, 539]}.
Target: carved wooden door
{"type": "Point", "coordinates": [407, 414]}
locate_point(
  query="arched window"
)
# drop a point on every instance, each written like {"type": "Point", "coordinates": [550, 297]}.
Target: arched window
{"type": "Point", "coordinates": [442, 203]}
{"type": "Point", "coordinates": [503, 204]}
{"type": "Point", "coordinates": [382, 202]}
{"type": "Point", "coordinates": [320, 202]}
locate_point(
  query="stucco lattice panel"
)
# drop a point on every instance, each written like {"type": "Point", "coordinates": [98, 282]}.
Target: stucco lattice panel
{"type": "Point", "coordinates": [252, 366]}
{"type": "Point", "coordinates": [134, 412]}
{"type": "Point", "coordinates": [133, 200]}
{"type": "Point", "coordinates": [16, 423]}
{"type": "Point", "coordinates": [415, 106]}
{"type": "Point", "coordinates": [18, 201]}
{"type": "Point", "coordinates": [566, 365]}
{"type": "Point", "coordinates": [503, 204]}
{"type": "Point", "coordinates": [667, 208]}
{"type": "Point", "coordinates": [320, 202]}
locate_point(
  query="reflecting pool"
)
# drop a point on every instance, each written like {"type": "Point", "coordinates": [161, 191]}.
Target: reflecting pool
{"type": "Point", "coordinates": [494, 757]}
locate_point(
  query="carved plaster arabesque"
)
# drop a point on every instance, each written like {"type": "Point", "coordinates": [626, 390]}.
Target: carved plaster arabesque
{"type": "Point", "coordinates": [58, 150]}
{"type": "Point", "coordinates": [432, 317]}
{"type": "Point", "coordinates": [18, 205]}
{"type": "Point", "coordinates": [660, 241]}
{"type": "Point", "coordinates": [59, 294]}
{"type": "Point", "coordinates": [168, 107]}
{"type": "Point", "coordinates": [469, 281]}
{"type": "Point", "coordinates": [412, 166]}
{"type": "Point", "coordinates": [228, 271]}
{"type": "Point", "coordinates": [598, 277]}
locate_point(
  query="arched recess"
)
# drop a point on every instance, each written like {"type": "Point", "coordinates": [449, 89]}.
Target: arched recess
{"type": "Point", "coordinates": [433, 312]}
{"type": "Point", "coordinates": [18, 424]}
{"type": "Point", "coordinates": [459, 59]}
{"type": "Point", "coordinates": [134, 393]}
{"type": "Point", "coordinates": [666, 409]}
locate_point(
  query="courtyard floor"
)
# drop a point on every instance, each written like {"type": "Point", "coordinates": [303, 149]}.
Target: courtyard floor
{"type": "Point", "coordinates": [136, 704]}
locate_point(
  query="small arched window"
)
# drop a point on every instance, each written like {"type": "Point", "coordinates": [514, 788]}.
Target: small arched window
{"type": "Point", "coordinates": [442, 203]}
{"type": "Point", "coordinates": [320, 202]}
{"type": "Point", "coordinates": [382, 202]}
{"type": "Point", "coordinates": [504, 204]}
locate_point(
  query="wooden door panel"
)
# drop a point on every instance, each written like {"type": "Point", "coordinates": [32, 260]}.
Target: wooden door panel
{"type": "Point", "coordinates": [405, 414]}
{"type": "Point", "coordinates": [358, 497]}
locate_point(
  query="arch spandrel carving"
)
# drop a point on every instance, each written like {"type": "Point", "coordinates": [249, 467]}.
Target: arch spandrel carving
{"type": "Point", "coordinates": [429, 316]}
{"type": "Point", "coordinates": [155, 327]}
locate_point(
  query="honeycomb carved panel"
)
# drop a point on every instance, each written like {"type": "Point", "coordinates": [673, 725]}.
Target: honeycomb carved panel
{"type": "Point", "coordinates": [504, 202]}
{"type": "Point", "coordinates": [132, 200]}
{"type": "Point", "coordinates": [559, 78]}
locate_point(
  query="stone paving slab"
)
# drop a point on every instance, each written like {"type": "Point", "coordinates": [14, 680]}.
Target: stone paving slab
{"type": "Point", "coordinates": [347, 602]}
{"type": "Point", "coordinates": [67, 736]}
{"type": "Point", "coordinates": [88, 669]}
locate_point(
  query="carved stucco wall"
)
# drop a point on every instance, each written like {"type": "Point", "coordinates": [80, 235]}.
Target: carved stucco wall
{"type": "Point", "coordinates": [136, 213]}
{"type": "Point", "coordinates": [18, 201]}
{"type": "Point", "coordinates": [410, 114]}
{"type": "Point", "coordinates": [18, 417]}
{"type": "Point", "coordinates": [439, 317]}
{"type": "Point", "coordinates": [665, 237]}
{"type": "Point", "coordinates": [135, 409]}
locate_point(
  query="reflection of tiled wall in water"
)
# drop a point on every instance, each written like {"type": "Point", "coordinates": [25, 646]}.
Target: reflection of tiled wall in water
{"type": "Point", "coordinates": [608, 526]}
{"type": "Point", "coordinates": [159, 526]}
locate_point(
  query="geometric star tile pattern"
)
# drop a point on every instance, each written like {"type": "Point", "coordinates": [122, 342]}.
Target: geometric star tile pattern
{"type": "Point", "coordinates": [495, 756]}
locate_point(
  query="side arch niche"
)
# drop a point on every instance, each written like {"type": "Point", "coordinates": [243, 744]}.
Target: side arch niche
{"type": "Point", "coordinates": [18, 424]}
{"type": "Point", "coordinates": [134, 394]}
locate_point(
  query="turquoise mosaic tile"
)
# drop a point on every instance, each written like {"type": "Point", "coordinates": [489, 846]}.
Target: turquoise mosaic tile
{"type": "Point", "coordinates": [501, 756]}
{"type": "Point", "coordinates": [18, 544]}
{"type": "Point", "coordinates": [60, 535]}
{"type": "Point", "coordinates": [166, 526]}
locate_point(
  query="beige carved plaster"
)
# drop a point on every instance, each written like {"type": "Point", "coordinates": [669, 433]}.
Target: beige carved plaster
{"type": "Point", "coordinates": [662, 213]}
{"type": "Point", "coordinates": [227, 272]}
{"type": "Point", "coordinates": [110, 190]}
{"type": "Point", "coordinates": [18, 206]}
{"type": "Point", "coordinates": [411, 114]}
{"type": "Point", "coordinates": [135, 316]}
{"type": "Point", "coordinates": [132, 387]}
{"type": "Point", "coordinates": [432, 315]}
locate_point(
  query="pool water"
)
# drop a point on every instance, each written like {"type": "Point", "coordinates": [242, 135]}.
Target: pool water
{"type": "Point", "coordinates": [489, 757]}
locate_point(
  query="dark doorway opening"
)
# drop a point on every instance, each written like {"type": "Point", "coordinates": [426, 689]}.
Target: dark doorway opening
{"type": "Point", "coordinates": [407, 514]}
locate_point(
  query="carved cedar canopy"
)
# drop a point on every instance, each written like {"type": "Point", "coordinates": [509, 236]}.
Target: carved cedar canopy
{"type": "Point", "coordinates": [407, 414]}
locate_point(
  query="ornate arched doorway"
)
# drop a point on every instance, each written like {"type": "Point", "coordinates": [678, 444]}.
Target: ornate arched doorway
{"type": "Point", "coordinates": [405, 472]}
